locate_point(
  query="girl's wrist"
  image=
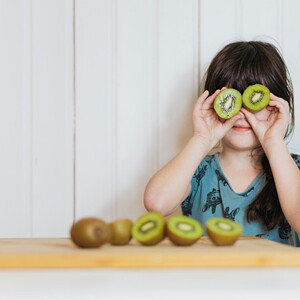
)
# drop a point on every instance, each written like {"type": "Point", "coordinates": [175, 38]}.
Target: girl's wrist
{"type": "Point", "coordinates": [273, 145]}
{"type": "Point", "coordinates": [203, 143]}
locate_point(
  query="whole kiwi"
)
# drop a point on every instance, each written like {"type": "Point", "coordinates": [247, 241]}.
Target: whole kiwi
{"type": "Point", "coordinates": [120, 231]}
{"type": "Point", "coordinates": [90, 232]}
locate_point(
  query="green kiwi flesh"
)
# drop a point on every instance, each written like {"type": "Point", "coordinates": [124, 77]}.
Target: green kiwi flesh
{"type": "Point", "coordinates": [183, 230]}
{"type": "Point", "coordinates": [90, 232]}
{"type": "Point", "coordinates": [149, 229]}
{"type": "Point", "coordinates": [222, 231]}
{"type": "Point", "coordinates": [228, 103]}
{"type": "Point", "coordinates": [256, 97]}
{"type": "Point", "coordinates": [120, 231]}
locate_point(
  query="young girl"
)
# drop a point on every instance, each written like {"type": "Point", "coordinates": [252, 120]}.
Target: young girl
{"type": "Point", "coordinates": [254, 180]}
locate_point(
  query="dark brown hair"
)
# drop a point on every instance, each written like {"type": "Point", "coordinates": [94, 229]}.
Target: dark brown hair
{"type": "Point", "coordinates": [239, 65]}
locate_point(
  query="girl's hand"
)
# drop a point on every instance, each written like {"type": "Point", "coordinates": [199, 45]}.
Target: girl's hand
{"type": "Point", "coordinates": [207, 123]}
{"type": "Point", "coordinates": [275, 127]}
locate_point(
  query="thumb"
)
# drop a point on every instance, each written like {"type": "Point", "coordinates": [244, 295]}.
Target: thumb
{"type": "Point", "coordinates": [230, 122]}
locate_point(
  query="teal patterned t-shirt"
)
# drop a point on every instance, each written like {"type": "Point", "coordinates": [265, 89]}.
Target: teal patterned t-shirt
{"type": "Point", "coordinates": [212, 196]}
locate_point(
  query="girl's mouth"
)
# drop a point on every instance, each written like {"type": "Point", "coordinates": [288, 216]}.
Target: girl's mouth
{"type": "Point", "coordinates": [241, 128]}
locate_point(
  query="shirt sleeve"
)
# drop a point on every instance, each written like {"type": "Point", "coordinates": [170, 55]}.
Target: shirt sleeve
{"type": "Point", "coordinates": [296, 159]}
{"type": "Point", "coordinates": [187, 204]}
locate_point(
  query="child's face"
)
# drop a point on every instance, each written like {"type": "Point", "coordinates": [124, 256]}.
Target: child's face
{"type": "Point", "coordinates": [241, 136]}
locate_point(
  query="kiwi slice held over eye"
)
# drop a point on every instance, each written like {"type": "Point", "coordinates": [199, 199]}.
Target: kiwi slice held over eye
{"type": "Point", "coordinates": [90, 233]}
{"type": "Point", "coordinates": [222, 231]}
{"type": "Point", "coordinates": [256, 97]}
{"type": "Point", "coordinates": [228, 103]}
{"type": "Point", "coordinates": [149, 229]}
{"type": "Point", "coordinates": [120, 231]}
{"type": "Point", "coordinates": [183, 230]}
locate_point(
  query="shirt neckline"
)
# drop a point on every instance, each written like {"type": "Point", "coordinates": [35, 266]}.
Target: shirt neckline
{"type": "Point", "coordinates": [251, 185]}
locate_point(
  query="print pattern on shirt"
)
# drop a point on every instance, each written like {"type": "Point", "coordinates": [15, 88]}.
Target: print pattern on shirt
{"type": "Point", "coordinates": [209, 159]}
{"type": "Point", "coordinates": [186, 206]}
{"type": "Point", "coordinates": [284, 229]}
{"type": "Point", "coordinates": [230, 215]}
{"type": "Point", "coordinates": [263, 235]}
{"type": "Point", "coordinates": [213, 199]}
{"type": "Point", "coordinates": [296, 159]}
{"type": "Point", "coordinates": [200, 174]}
{"type": "Point", "coordinates": [221, 177]}
{"type": "Point", "coordinates": [247, 194]}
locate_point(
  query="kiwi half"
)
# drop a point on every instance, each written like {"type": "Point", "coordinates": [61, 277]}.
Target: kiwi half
{"type": "Point", "coordinates": [183, 230]}
{"type": "Point", "coordinates": [228, 103]}
{"type": "Point", "coordinates": [256, 97]}
{"type": "Point", "coordinates": [149, 229]}
{"type": "Point", "coordinates": [120, 231]}
{"type": "Point", "coordinates": [222, 231]}
{"type": "Point", "coordinates": [90, 232]}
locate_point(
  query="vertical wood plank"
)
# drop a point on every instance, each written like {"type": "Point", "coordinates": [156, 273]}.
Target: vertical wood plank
{"type": "Point", "coordinates": [291, 53]}
{"type": "Point", "coordinates": [215, 30]}
{"type": "Point", "coordinates": [262, 23]}
{"type": "Point", "coordinates": [52, 131]}
{"type": "Point", "coordinates": [15, 117]}
{"type": "Point", "coordinates": [178, 74]}
{"type": "Point", "coordinates": [96, 92]}
{"type": "Point", "coordinates": [137, 71]}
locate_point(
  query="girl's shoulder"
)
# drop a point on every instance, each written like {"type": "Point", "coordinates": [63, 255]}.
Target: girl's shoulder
{"type": "Point", "coordinates": [296, 158]}
{"type": "Point", "coordinates": [208, 162]}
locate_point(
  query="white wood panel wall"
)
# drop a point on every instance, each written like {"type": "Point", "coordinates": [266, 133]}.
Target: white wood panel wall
{"type": "Point", "coordinates": [96, 95]}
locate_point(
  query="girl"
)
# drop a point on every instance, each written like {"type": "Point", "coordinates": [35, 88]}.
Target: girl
{"type": "Point", "coordinates": [254, 180]}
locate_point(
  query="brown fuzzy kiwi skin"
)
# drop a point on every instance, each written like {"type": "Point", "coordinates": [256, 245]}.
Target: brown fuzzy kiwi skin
{"type": "Point", "coordinates": [121, 231]}
{"type": "Point", "coordinates": [90, 232]}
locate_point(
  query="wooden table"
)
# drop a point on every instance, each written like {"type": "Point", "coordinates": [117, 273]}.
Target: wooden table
{"type": "Point", "coordinates": [62, 253]}
{"type": "Point", "coordinates": [48, 269]}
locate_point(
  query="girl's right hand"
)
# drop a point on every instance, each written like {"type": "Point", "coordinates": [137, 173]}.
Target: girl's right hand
{"type": "Point", "coordinates": [207, 123]}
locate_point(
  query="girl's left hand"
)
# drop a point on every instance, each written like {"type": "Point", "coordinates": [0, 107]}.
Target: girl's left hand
{"type": "Point", "coordinates": [275, 127]}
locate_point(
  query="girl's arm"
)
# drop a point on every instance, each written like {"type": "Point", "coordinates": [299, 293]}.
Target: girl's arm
{"type": "Point", "coordinates": [171, 184]}
{"type": "Point", "coordinates": [287, 180]}
{"type": "Point", "coordinates": [285, 171]}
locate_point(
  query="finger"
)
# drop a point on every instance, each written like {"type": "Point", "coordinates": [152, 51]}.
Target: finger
{"type": "Point", "coordinates": [210, 100]}
{"type": "Point", "coordinates": [274, 97]}
{"type": "Point", "coordinates": [200, 101]}
{"type": "Point", "coordinates": [272, 117]}
{"type": "Point", "coordinates": [230, 122]}
{"type": "Point", "coordinates": [202, 97]}
{"type": "Point", "coordinates": [281, 106]}
{"type": "Point", "coordinates": [249, 116]}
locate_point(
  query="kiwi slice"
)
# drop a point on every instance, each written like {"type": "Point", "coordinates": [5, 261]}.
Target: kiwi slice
{"type": "Point", "coordinates": [256, 97]}
{"type": "Point", "coordinates": [222, 231]}
{"type": "Point", "coordinates": [228, 103]}
{"type": "Point", "coordinates": [90, 233]}
{"type": "Point", "coordinates": [120, 231]}
{"type": "Point", "coordinates": [183, 230]}
{"type": "Point", "coordinates": [149, 229]}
